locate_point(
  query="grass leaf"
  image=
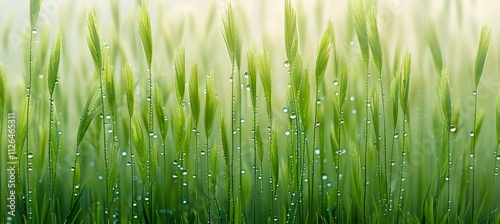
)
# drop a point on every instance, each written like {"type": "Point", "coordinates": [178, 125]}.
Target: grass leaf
{"type": "Point", "coordinates": [324, 51]}
{"type": "Point", "coordinates": [437, 55]}
{"type": "Point", "coordinates": [260, 144]}
{"type": "Point", "coordinates": [94, 39]}
{"type": "Point", "coordinates": [210, 104]}
{"type": "Point", "coordinates": [374, 39]}
{"type": "Point", "coordinates": [231, 36]}
{"type": "Point", "coordinates": [2, 90]}
{"type": "Point", "coordinates": [214, 165]}
{"type": "Point", "coordinates": [395, 92]}
{"type": "Point", "coordinates": [358, 16]}
{"type": "Point", "coordinates": [343, 83]}
{"type": "Point", "coordinates": [225, 141]}
{"type": "Point", "coordinates": [129, 87]}
{"type": "Point", "coordinates": [194, 95]}
{"type": "Point", "coordinates": [90, 111]}
{"type": "Point", "coordinates": [55, 56]}
{"type": "Point", "coordinates": [291, 35]}
{"type": "Point", "coordinates": [445, 96]}
{"type": "Point", "coordinates": [275, 155]}
{"type": "Point", "coordinates": [34, 11]}
{"type": "Point", "coordinates": [110, 85]}
{"type": "Point", "coordinates": [482, 51]}
{"type": "Point", "coordinates": [161, 115]}
{"type": "Point", "coordinates": [252, 74]}
{"type": "Point", "coordinates": [405, 82]}
{"type": "Point", "coordinates": [180, 72]}
{"type": "Point", "coordinates": [144, 25]}
{"type": "Point", "coordinates": [265, 78]}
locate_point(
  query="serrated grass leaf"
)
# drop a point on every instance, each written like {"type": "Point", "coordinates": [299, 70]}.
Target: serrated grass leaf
{"type": "Point", "coordinates": [324, 51]}
{"type": "Point", "coordinates": [482, 51]}
{"type": "Point", "coordinates": [180, 72]}
{"type": "Point", "coordinates": [144, 26]}
{"type": "Point", "coordinates": [211, 104]}
{"type": "Point", "coordinates": [374, 39]}
{"type": "Point", "coordinates": [55, 57]}
{"type": "Point", "coordinates": [94, 39]}
{"type": "Point", "coordinates": [194, 94]}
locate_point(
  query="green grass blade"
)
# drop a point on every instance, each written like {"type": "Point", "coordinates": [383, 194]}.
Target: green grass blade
{"type": "Point", "coordinates": [265, 78]}
{"type": "Point", "coordinates": [305, 100]}
{"type": "Point", "coordinates": [180, 72]}
{"type": "Point", "coordinates": [179, 125]}
{"type": "Point", "coordinates": [211, 103]}
{"type": "Point", "coordinates": [90, 111]}
{"type": "Point", "coordinates": [225, 141]}
{"type": "Point", "coordinates": [34, 11]}
{"type": "Point", "coordinates": [445, 96]}
{"type": "Point", "coordinates": [482, 51]}
{"type": "Point", "coordinates": [129, 87]}
{"type": "Point", "coordinates": [2, 90]}
{"type": "Point", "coordinates": [437, 55]}
{"type": "Point", "coordinates": [22, 130]}
{"type": "Point", "coordinates": [110, 85]}
{"type": "Point", "coordinates": [55, 57]}
{"type": "Point", "coordinates": [144, 25]}
{"type": "Point", "coordinates": [94, 39]}
{"type": "Point", "coordinates": [343, 84]}
{"type": "Point", "coordinates": [405, 82]}
{"type": "Point", "coordinates": [395, 92]}
{"type": "Point", "coordinates": [214, 165]}
{"type": "Point", "coordinates": [324, 51]}
{"type": "Point", "coordinates": [260, 144]}
{"type": "Point", "coordinates": [275, 161]}
{"type": "Point", "coordinates": [194, 94]}
{"type": "Point", "coordinates": [231, 36]}
{"type": "Point", "coordinates": [161, 115]}
{"type": "Point", "coordinates": [358, 16]}
{"type": "Point", "coordinates": [291, 35]}
{"type": "Point", "coordinates": [252, 75]}
{"type": "Point", "coordinates": [374, 39]}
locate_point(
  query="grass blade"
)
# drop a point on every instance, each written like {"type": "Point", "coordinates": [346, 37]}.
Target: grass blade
{"type": "Point", "coordinates": [252, 74]}
{"type": "Point", "coordinates": [445, 96]}
{"type": "Point", "coordinates": [374, 39]}
{"type": "Point", "coordinates": [90, 111]}
{"type": "Point", "coordinates": [180, 72]}
{"type": "Point", "coordinates": [482, 51]}
{"type": "Point", "coordinates": [358, 16]}
{"type": "Point", "coordinates": [265, 78]}
{"type": "Point", "coordinates": [129, 87]}
{"type": "Point", "coordinates": [291, 36]}
{"type": "Point", "coordinates": [231, 36]}
{"type": "Point", "coordinates": [94, 39]}
{"type": "Point", "coordinates": [194, 95]}
{"type": "Point", "coordinates": [324, 51]}
{"type": "Point", "coordinates": [144, 25]}
{"type": "Point", "coordinates": [405, 82]}
{"type": "Point", "coordinates": [437, 55]}
{"type": "Point", "coordinates": [55, 57]}
{"type": "Point", "coordinates": [34, 11]}
{"type": "Point", "coordinates": [211, 103]}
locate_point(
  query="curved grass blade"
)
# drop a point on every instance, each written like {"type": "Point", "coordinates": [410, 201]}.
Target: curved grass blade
{"type": "Point", "coordinates": [405, 82]}
{"type": "Point", "coordinates": [90, 111]}
{"type": "Point", "coordinates": [34, 11]}
{"type": "Point", "coordinates": [445, 96]}
{"type": "Point", "coordinates": [252, 74]}
{"type": "Point", "coordinates": [225, 142]}
{"type": "Point", "coordinates": [161, 115]}
{"type": "Point", "coordinates": [110, 85]}
{"type": "Point", "coordinates": [55, 57]}
{"type": "Point", "coordinates": [358, 16]}
{"type": "Point", "coordinates": [437, 55]}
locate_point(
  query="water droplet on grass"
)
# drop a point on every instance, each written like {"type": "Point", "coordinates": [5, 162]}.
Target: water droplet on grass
{"type": "Point", "coordinates": [335, 83]}
{"type": "Point", "coordinates": [453, 128]}
{"type": "Point", "coordinates": [286, 64]}
{"type": "Point", "coordinates": [34, 31]}
{"type": "Point", "coordinates": [396, 135]}
{"type": "Point", "coordinates": [285, 110]}
{"type": "Point", "coordinates": [471, 133]}
{"type": "Point", "coordinates": [30, 155]}
{"type": "Point", "coordinates": [324, 177]}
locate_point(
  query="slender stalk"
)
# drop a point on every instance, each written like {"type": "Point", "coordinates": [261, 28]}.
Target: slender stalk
{"type": "Point", "coordinates": [27, 150]}
{"type": "Point", "coordinates": [401, 168]}
{"type": "Point", "coordinates": [254, 131]}
{"type": "Point", "coordinates": [132, 168]}
{"type": "Point", "coordinates": [472, 152]}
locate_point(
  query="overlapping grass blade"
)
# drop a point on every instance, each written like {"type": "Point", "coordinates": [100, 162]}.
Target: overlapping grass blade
{"type": "Point", "coordinates": [180, 72]}
{"type": "Point", "coordinates": [374, 39]}
{"type": "Point", "coordinates": [231, 36]}
{"type": "Point", "coordinates": [225, 142]}
{"type": "Point", "coordinates": [482, 51]}
{"type": "Point", "coordinates": [93, 38]}
{"type": "Point", "coordinates": [55, 57]}
{"type": "Point", "coordinates": [139, 143]}
{"type": "Point", "coordinates": [275, 161]}
{"type": "Point", "coordinates": [260, 144]}
{"type": "Point", "coordinates": [179, 126]}
{"type": "Point", "coordinates": [291, 35]}
{"type": "Point", "coordinates": [129, 86]}
{"type": "Point", "coordinates": [395, 92]}
{"type": "Point", "coordinates": [359, 19]}
{"type": "Point", "coordinates": [324, 51]}
{"type": "Point", "coordinates": [110, 85]}
{"type": "Point", "coordinates": [23, 123]}
{"type": "Point", "coordinates": [211, 103]}
{"type": "Point", "coordinates": [144, 25]}
{"type": "Point", "coordinates": [214, 153]}
{"type": "Point", "coordinates": [305, 100]}
{"type": "Point", "coordinates": [343, 84]}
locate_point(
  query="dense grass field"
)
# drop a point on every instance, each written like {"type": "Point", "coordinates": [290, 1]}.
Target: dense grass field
{"type": "Point", "coordinates": [291, 111]}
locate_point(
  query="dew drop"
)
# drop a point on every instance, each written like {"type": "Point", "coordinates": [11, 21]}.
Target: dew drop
{"type": "Point", "coordinates": [246, 75]}
{"type": "Point", "coordinates": [453, 128]}
{"type": "Point", "coordinates": [293, 116]}
{"type": "Point", "coordinates": [396, 135]}
{"type": "Point", "coordinates": [286, 64]}
{"type": "Point", "coordinates": [474, 93]}
{"type": "Point", "coordinates": [30, 155]}
{"type": "Point", "coordinates": [351, 43]}
{"type": "Point", "coordinates": [72, 169]}
{"type": "Point", "coordinates": [335, 83]}
{"type": "Point", "coordinates": [285, 110]}
{"type": "Point", "coordinates": [34, 31]}
{"type": "Point", "coordinates": [324, 177]}
{"type": "Point", "coordinates": [287, 133]}
{"type": "Point", "coordinates": [471, 133]}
